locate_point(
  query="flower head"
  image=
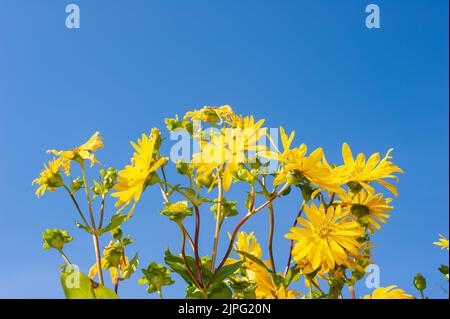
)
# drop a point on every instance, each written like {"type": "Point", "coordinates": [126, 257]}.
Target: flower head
{"type": "Point", "coordinates": [49, 178]}
{"type": "Point", "coordinates": [388, 293]}
{"type": "Point", "coordinates": [228, 148]}
{"type": "Point", "coordinates": [357, 173]}
{"type": "Point", "coordinates": [133, 179]}
{"type": "Point", "coordinates": [298, 167]}
{"type": "Point", "coordinates": [80, 153]}
{"type": "Point", "coordinates": [443, 242]}
{"type": "Point", "coordinates": [325, 238]}
{"type": "Point", "coordinates": [367, 209]}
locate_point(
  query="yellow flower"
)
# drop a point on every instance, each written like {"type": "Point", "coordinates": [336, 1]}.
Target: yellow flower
{"type": "Point", "coordinates": [49, 178]}
{"type": "Point", "coordinates": [388, 293]}
{"type": "Point", "coordinates": [228, 148]}
{"type": "Point", "coordinates": [443, 242]}
{"type": "Point", "coordinates": [213, 115]}
{"type": "Point", "coordinates": [133, 179]}
{"type": "Point", "coordinates": [358, 173]}
{"type": "Point", "coordinates": [80, 153]}
{"type": "Point", "coordinates": [283, 293]}
{"type": "Point", "coordinates": [367, 208]}
{"type": "Point", "coordinates": [248, 244]}
{"type": "Point", "coordinates": [265, 288]}
{"type": "Point", "coordinates": [325, 238]}
{"type": "Point", "coordinates": [298, 167]}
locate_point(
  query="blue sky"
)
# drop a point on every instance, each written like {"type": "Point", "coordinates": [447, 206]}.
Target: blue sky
{"type": "Point", "coordinates": [311, 66]}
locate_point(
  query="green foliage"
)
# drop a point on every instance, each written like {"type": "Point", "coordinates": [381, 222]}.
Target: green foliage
{"type": "Point", "coordinates": [228, 208]}
{"type": "Point", "coordinates": [116, 221]}
{"type": "Point", "coordinates": [77, 285]}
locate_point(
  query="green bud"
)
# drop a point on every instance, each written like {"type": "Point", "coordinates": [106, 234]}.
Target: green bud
{"type": "Point", "coordinates": [184, 168]}
{"type": "Point", "coordinates": [156, 276]}
{"type": "Point", "coordinates": [177, 211]}
{"type": "Point", "coordinates": [55, 238]}
{"type": "Point", "coordinates": [76, 185]}
{"type": "Point", "coordinates": [173, 123]}
{"type": "Point", "coordinates": [187, 126]}
{"type": "Point", "coordinates": [116, 233]}
{"type": "Point", "coordinates": [228, 208]}
{"type": "Point", "coordinates": [419, 282]}
{"type": "Point", "coordinates": [113, 254]}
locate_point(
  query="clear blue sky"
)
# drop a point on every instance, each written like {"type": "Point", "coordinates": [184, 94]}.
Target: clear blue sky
{"type": "Point", "coordinates": [311, 66]}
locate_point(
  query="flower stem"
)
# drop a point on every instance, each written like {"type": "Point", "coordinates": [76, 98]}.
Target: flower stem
{"type": "Point", "coordinates": [66, 259]}
{"type": "Point", "coordinates": [291, 245]}
{"type": "Point", "coordinates": [76, 205]}
{"type": "Point", "coordinates": [94, 236]}
{"type": "Point", "coordinates": [218, 221]}
{"type": "Point", "coordinates": [351, 288]}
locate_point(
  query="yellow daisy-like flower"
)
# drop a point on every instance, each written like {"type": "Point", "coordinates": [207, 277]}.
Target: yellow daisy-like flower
{"type": "Point", "coordinates": [367, 208]}
{"type": "Point", "coordinates": [297, 166]}
{"type": "Point", "coordinates": [248, 244]}
{"type": "Point", "coordinates": [133, 179]}
{"type": "Point", "coordinates": [388, 293]}
{"type": "Point", "coordinates": [265, 288]}
{"type": "Point", "coordinates": [326, 238]}
{"type": "Point", "coordinates": [358, 173]}
{"type": "Point", "coordinates": [443, 242]}
{"type": "Point", "coordinates": [213, 115]}
{"type": "Point", "coordinates": [227, 148]}
{"type": "Point", "coordinates": [80, 153]}
{"type": "Point", "coordinates": [49, 178]}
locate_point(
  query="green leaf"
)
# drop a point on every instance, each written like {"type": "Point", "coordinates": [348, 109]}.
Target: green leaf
{"type": "Point", "coordinates": [77, 285]}
{"type": "Point", "coordinates": [177, 265]}
{"type": "Point", "coordinates": [130, 268]}
{"type": "Point", "coordinates": [221, 291]}
{"type": "Point", "coordinates": [256, 260]}
{"type": "Point", "coordinates": [116, 221]}
{"type": "Point", "coordinates": [193, 293]}
{"type": "Point", "coordinates": [227, 271]}
{"type": "Point", "coordinates": [293, 274]}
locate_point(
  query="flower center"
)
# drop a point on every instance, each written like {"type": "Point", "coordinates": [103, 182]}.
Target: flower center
{"type": "Point", "coordinates": [322, 230]}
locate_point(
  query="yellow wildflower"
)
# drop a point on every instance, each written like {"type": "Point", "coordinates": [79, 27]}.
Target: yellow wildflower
{"type": "Point", "coordinates": [388, 293]}
{"type": "Point", "coordinates": [325, 238]}
{"type": "Point", "coordinates": [228, 148]}
{"type": "Point", "coordinates": [298, 167]}
{"type": "Point", "coordinates": [367, 208]}
{"type": "Point", "coordinates": [49, 178]}
{"type": "Point", "coordinates": [80, 153]}
{"type": "Point", "coordinates": [358, 173]}
{"type": "Point", "coordinates": [133, 179]}
{"type": "Point", "coordinates": [443, 242]}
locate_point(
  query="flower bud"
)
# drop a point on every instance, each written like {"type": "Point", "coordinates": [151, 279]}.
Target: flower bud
{"type": "Point", "coordinates": [76, 185]}
{"type": "Point", "coordinates": [419, 282]}
{"type": "Point", "coordinates": [55, 238]}
{"type": "Point", "coordinates": [116, 233]}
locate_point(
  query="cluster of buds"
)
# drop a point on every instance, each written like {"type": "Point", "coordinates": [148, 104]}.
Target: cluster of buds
{"type": "Point", "coordinates": [107, 181]}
